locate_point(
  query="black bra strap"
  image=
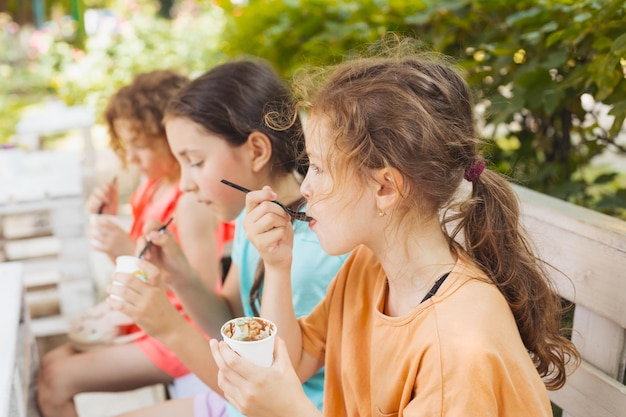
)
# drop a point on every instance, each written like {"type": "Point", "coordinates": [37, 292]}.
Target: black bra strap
{"type": "Point", "coordinates": [435, 287]}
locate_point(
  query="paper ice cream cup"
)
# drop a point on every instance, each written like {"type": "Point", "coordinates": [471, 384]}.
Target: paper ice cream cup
{"type": "Point", "coordinates": [130, 265]}
{"type": "Point", "coordinates": [252, 338]}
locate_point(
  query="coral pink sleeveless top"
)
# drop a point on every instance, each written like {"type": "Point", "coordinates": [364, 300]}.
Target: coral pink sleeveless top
{"type": "Point", "coordinates": [144, 209]}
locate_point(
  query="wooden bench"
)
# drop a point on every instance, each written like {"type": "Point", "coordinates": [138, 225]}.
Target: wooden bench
{"type": "Point", "coordinates": [589, 248]}
{"type": "Point", "coordinates": [18, 352]}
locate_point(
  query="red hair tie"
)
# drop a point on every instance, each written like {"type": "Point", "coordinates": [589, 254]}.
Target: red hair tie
{"type": "Point", "coordinates": [473, 172]}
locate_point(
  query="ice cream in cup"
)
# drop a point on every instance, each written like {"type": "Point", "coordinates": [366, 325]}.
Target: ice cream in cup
{"type": "Point", "coordinates": [252, 338]}
{"type": "Point", "coordinates": [130, 265]}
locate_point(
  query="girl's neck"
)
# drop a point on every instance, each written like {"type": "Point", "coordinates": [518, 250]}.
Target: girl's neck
{"type": "Point", "coordinates": [413, 261]}
{"type": "Point", "coordinates": [169, 179]}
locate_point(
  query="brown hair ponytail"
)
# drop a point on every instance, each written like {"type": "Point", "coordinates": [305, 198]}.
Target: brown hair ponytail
{"type": "Point", "coordinates": [494, 239]}
{"type": "Point", "coordinates": [414, 112]}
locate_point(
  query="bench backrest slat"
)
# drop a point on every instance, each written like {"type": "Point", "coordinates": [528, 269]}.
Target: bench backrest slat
{"type": "Point", "coordinates": [588, 249]}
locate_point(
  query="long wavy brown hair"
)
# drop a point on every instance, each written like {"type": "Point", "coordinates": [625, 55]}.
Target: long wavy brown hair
{"type": "Point", "coordinates": [233, 100]}
{"type": "Point", "coordinates": [414, 112]}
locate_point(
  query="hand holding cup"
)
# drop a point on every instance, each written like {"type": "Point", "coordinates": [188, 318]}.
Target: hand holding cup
{"type": "Point", "coordinates": [252, 338]}
{"type": "Point", "coordinates": [136, 290]}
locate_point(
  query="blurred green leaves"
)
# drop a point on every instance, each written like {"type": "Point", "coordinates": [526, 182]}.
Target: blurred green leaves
{"type": "Point", "coordinates": [142, 41]}
{"type": "Point", "coordinates": [529, 62]}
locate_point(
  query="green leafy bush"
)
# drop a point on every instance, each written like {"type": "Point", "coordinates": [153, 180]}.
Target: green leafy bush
{"type": "Point", "coordinates": [529, 62]}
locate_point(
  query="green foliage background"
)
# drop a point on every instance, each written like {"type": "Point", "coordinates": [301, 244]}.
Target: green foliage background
{"type": "Point", "coordinates": [528, 61]}
{"type": "Point", "coordinates": [88, 76]}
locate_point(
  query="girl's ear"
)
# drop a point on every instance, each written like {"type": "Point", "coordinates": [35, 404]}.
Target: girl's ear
{"type": "Point", "coordinates": [260, 147]}
{"type": "Point", "coordinates": [389, 188]}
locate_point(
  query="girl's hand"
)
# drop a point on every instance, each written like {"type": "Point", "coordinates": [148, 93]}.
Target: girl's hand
{"type": "Point", "coordinates": [107, 235]}
{"type": "Point", "coordinates": [104, 197]}
{"type": "Point", "coordinates": [269, 228]}
{"type": "Point", "coordinates": [255, 390]}
{"type": "Point", "coordinates": [145, 302]}
{"type": "Point", "coordinates": [165, 253]}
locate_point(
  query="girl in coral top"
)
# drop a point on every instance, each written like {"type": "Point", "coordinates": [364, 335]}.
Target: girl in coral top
{"type": "Point", "coordinates": [441, 308]}
{"type": "Point", "coordinates": [114, 355]}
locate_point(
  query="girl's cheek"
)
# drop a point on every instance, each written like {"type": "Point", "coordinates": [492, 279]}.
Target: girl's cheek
{"type": "Point", "coordinates": [197, 179]}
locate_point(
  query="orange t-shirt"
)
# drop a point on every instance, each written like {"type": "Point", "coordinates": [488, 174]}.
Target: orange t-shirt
{"type": "Point", "coordinates": [457, 354]}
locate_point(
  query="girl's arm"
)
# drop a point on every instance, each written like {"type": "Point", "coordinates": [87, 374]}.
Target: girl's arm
{"type": "Point", "coordinates": [277, 306]}
{"type": "Point", "coordinates": [275, 391]}
{"type": "Point", "coordinates": [269, 228]}
{"type": "Point", "coordinates": [196, 229]}
{"type": "Point", "coordinates": [208, 309]}
{"type": "Point", "coordinates": [148, 305]}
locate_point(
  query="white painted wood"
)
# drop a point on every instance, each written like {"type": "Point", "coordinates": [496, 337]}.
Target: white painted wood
{"type": "Point", "coordinates": [109, 404]}
{"type": "Point", "coordinates": [10, 311]}
{"type": "Point", "coordinates": [31, 176]}
{"type": "Point", "coordinates": [32, 248]}
{"type": "Point", "coordinates": [41, 278]}
{"type": "Point", "coordinates": [590, 393]}
{"type": "Point", "coordinates": [588, 252]}
{"type": "Point", "coordinates": [50, 326]}
{"type": "Point", "coordinates": [76, 297]}
{"type": "Point", "coordinates": [67, 269]}
{"type": "Point", "coordinates": [15, 226]}
{"type": "Point", "coordinates": [599, 340]}
{"type": "Point", "coordinates": [18, 407]}
{"type": "Point", "coordinates": [588, 247]}
{"type": "Point", "coordinates": [41, 205]}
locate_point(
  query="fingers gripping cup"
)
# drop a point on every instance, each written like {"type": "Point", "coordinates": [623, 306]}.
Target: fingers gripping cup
{"type": "Point", "coordinates": [252, 338]}
{"type": "Point", "coordinates": [130, 265]}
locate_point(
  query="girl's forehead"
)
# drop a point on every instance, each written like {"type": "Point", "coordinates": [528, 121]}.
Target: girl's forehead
{"type": "Point", "coordinates": [129, 131]}
{"type": "Point", "coordinates": [126, 125]}
{"type": "Point", "coordinates": [316, 134]}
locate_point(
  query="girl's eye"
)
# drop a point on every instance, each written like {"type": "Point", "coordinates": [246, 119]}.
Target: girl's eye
{"type": "Point", "coordinates": [139, 145]}
{"type": "Point", "coordinates": [196, 164]}
{"type": "Point", "coordinates": [314, 169]}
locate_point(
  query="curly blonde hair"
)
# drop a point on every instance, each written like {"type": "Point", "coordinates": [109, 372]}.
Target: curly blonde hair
{"type": "Point", "coordinates": [143, 103]}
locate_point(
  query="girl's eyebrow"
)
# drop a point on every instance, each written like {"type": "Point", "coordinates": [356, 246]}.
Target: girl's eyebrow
{"type": "Point", "coordinates": [186, 152]}
{"type": "Point", "coordinates": [310, 153]}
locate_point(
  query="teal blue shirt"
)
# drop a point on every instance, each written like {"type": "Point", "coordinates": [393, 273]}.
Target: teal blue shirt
{"type": "Point", "coordinates": [311, 272]}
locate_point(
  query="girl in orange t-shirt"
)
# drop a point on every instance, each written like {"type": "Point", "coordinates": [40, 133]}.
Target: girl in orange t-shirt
{"type": "Point", "coordinates": [441, 309]}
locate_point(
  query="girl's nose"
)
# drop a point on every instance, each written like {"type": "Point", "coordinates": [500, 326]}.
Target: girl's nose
{"type": "Point", "coordinates": [131, 156]}
{"type": "Point", "coordinates": [187, 185]}
{"type": "Point", "coordinates": [304, 188]}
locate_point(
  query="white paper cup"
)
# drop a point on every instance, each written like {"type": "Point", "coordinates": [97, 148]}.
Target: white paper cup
{"type": "Point", "coordinates": [252, 338]}
{"type": "Point", "coordinates": [130, 265]}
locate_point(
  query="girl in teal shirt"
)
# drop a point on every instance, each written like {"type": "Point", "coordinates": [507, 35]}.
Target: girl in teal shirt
{"type": "Point", "coordinates": [220, 127]}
